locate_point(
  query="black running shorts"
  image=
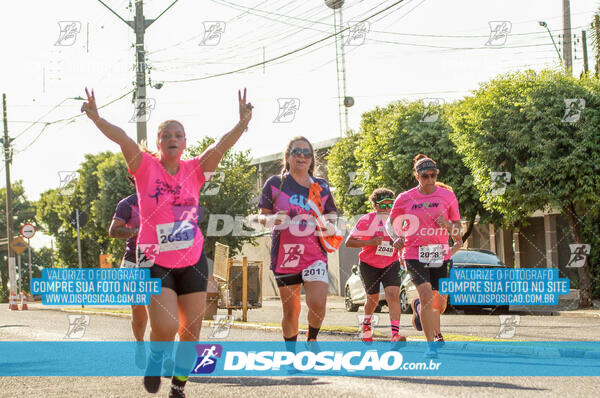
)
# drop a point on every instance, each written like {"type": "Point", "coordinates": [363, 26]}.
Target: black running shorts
{"type": "Point", "coordinates": [372, 276]}
{"type": "Point", "coordinates": [420, 273]}
{"type": "Point", "coordinates": [190, 279]}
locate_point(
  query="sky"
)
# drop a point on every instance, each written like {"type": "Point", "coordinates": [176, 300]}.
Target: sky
{"type": "Point", "coordinates": [416, 49]}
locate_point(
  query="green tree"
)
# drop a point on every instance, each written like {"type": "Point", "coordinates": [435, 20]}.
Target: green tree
{"type": "Point", "coordinates": [56, 205]}
{"type": "Point", "coordinates": [382, 153]}
{"type": "Point", "coordinates": [234, 196]}
{"type": "Point", "coordinates": [23, 211]}
{"type": "Point", "coordinates": [517, 123]}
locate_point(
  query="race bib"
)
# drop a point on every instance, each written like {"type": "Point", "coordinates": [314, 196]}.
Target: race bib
{"type": "Point", "coordinates": [317, 272]}
{"type": "Point", "coordinates": [128, 264]}
{"type": "Point", "coordinates": [385, 249]}
{"type": "Point", "coordinates": [176, 235]}
{"type": "Point", "coordinates": [432, 255]}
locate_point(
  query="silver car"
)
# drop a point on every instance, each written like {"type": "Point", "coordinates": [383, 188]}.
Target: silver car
{"type": "Point", "coordinates": [465, 258]}
{"type": "Point", "coordinates": [355, 292]}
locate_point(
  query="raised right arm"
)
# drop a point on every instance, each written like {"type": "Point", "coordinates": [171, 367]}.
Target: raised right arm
{"type": "Point", "coordinates": [130, 149]}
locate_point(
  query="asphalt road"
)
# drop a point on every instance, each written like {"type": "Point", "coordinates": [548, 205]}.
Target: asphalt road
{"type": "Point", "coordinates": [47, 325]}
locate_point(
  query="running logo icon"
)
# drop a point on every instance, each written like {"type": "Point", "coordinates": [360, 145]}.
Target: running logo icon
{"type": "Point", "coordinates": [579, 253]}
{"type": "Point", "coordinates": [146, 254]}
{"type": "Point", "coordinates": [213, 30]}
{"type": "Point", "coordinates": [292, 255]}
{"type": "Point", "coordinates": [500, 180]}
{"type": "Point", "coordinates": [77, 325]}
{"type": "Point", "coordinates": [207, 358]}
{"type": "Point", "coordinates": [141, 111]}
{"type": "Point", "coordinates": [213, 185]}
{"type": "Point", "coordinates": [573, 109]}
{"type": "Point", "coordinates": [287, 110]}
{"type": "Point", "coordinates": [431, 113]}
{"type": "Point", "coordinates": [357, 33]}
{"type": "Point", "coordinates": [64, 179]}
{"type": "Point", "coordinates": [508, 326]}
{"type": "Point", "coordinates": [499, 31]}
{"type": "Point", "coordinates": [68, 33]}
{"type": "Point", "coordinates": [221, 326]}
{"type": "Point", "coordinates": [356, 188]}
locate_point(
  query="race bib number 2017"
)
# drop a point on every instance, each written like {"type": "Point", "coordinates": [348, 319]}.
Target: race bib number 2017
{"type": "Point", "coordinates": [431, 255]}
{"type": "Point", "coordinates": [317, 272]}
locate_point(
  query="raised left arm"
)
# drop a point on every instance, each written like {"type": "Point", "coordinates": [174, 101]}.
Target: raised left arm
{"type": "Point", "coordinates": [210, 158]}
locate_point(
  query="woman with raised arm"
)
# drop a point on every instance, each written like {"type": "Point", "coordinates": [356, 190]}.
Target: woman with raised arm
{"type": "Point", "coordinates": [169, 240]}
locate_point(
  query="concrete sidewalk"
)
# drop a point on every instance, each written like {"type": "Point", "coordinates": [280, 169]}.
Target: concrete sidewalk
{"type": "Point", "coordinates": [339, 321]}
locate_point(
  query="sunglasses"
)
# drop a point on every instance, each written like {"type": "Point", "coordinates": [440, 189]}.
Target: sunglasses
{"type": "Point", "coordinates": [296, 152]}
{"type": "Point", "coordinates": [428, 176]}
{"type": "Point", "coordinates": [386, 205]}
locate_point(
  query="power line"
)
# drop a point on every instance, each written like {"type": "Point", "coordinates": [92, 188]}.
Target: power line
{"type": "Point", "coordinates": [280, 56]}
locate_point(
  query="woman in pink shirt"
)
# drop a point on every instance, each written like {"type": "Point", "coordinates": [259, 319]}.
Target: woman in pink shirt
{"type": "Point", "coordinates": [169, 240]}
{"type": "Point", "coordinates": [378, 262]}
{"type": "Point", "coordinates": [419, 224]}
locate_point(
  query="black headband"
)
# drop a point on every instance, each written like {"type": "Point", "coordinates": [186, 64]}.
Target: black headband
{"type": "Point", "coordinates": [425, 165]}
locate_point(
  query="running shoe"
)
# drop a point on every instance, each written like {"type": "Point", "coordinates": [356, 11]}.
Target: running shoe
{"type": "Point", "coordinates": [439, 338]}
{"type": "Point", "coordinates": [398, 338]}
{"type": "Point", "coordinates": [367, 334]}
{"type": "Point", "coordinates": [416, 318]}
{"type": "Point", "coordinates": [152, 383]}
{"type": "Point", "coordinates": [176, 392]}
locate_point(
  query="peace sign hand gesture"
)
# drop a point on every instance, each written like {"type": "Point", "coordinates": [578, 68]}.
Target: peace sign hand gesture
{"type": "Point", "coordinates": [245, 109]}
{"type": "Point", "coordinates": [89, 107]}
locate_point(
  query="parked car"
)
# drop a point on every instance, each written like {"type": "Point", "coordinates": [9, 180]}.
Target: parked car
{"type": "Point", "coordinates": [464, 258]}
{"type": "Point", "coordinates": [355, 293]}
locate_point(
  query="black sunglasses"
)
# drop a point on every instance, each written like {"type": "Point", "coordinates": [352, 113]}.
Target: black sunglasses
{"type": "Point", "coordinates": [299, 151]}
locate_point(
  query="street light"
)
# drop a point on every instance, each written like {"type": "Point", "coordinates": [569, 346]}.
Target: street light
{"type": "Point", "coordinates": [543, 24]}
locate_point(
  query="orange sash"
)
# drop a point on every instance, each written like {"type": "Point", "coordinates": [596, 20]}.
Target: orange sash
{"type": "Point", "coordinates": [329, 242]}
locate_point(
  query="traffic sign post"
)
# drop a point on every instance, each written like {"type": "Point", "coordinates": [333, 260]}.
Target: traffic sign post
{"type": "Point", "coordinates": [18, 245]}
{"type": "Point", "coordinates": [28, 230]}
{"type": "Point", "coordinates": [78, 220]}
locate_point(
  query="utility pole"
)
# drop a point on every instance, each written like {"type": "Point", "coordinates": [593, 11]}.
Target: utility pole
{"type": "Point", "coordinates": [585, 52]}
{"type": "Point", "coordinates": [597, 52]}
{"type": "Point", "coordinates": [7, 160]}
{"type": "Point", "coordinates": [140, 71]}
{"type": "Point", "coordinates": [139, 25]}
{"type": "Point", "coordinates": [567, 55]}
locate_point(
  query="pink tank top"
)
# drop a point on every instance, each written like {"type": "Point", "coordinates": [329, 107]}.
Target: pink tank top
{"type": "Point", "coordinates": [169, 234]}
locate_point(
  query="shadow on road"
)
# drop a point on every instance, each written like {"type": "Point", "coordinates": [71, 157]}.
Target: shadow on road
{"type": "Point", "coordinates": [458, 383]}
{"type": "Point", "coordinates": [259, 381]}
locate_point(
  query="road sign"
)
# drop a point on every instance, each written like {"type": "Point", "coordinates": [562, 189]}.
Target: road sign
{"type": "Point", "coordinates": [82, 218]}
{"type": "Point", "coordinates": [28, 230]}
{"type": "Point", "coordinates": [18, 245]}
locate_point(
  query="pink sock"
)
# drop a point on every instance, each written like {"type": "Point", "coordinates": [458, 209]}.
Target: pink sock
{"type": "Point", "coordinates": [395, 327]}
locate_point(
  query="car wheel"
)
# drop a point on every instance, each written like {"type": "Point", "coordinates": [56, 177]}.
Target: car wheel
{"type": "Point", "coordinates": [379, 307]}
{"type": "Point", "coordinates": [404, 304]}
{"type": "Point", "coordinates": [350, 306]}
